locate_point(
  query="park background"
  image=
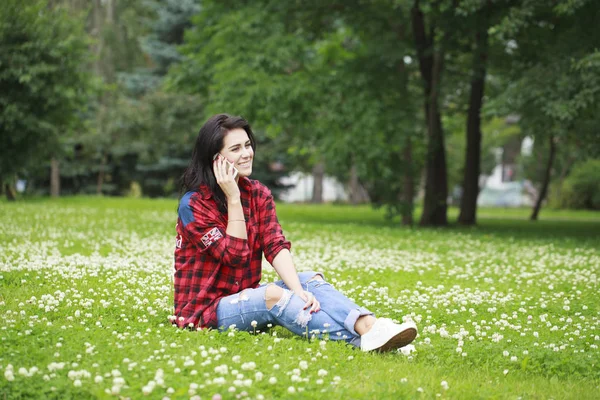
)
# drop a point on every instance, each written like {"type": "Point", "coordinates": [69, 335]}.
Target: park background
{"type": "Point", "coordinates": [396, 101]}
{"type": "Point", "coordinates": [415, 112]}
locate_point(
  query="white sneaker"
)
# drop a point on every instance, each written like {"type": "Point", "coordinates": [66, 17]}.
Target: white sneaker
{"type": "Point", "coordinates": [386, 335]}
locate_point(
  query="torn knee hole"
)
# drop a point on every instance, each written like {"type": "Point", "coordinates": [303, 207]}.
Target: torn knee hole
{"type": "Point", "coordinates": [317, 277]}
{"type": "Point", "coordinates": [272, 295]}
{"type": "Point", "coordinates": [242, 296]}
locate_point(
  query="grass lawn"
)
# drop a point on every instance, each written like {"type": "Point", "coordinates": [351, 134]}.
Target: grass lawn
{"type": "Point", "coordinates": [509, 309]}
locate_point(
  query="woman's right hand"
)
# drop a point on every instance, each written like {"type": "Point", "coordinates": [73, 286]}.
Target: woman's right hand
{"type": "Point", "coordinates": [225, 178]}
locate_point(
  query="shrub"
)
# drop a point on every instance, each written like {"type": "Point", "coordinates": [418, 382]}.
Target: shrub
{"type": "Point", "coordinates": [581, 189]}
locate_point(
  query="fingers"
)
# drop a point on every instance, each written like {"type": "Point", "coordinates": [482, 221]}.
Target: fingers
{"type": "Point", "coordinates": [308, 303]}
{"type": "Point", "coordinates": [312, 302]}
{"type": "Point", "coordinates": [316, 307]}
{"type": "Point", "coordinates": [223, 169]}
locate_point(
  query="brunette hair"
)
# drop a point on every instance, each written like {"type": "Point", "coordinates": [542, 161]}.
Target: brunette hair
{"type": "Point", "coordinates": [210, 142]}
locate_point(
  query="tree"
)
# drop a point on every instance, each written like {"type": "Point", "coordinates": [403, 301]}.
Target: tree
{"type": "Point", "coordinates": [43, 85]}
{"type": "Point", "coordinates": [555, 78]}
{"type": "Point", "coordinates": [166, 26]}
{"type": "Point", "coordinates": [330, 80]}
{"type": "Point", "coordinates": [431, 54]}
{"type": "Point", "coordinates": [470, 184]}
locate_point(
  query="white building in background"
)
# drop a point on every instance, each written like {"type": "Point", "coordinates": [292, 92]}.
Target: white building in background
{"type": "Point", "coordinates": [303, 188]}
{"type": "Point", "coordinates": [500, 190]}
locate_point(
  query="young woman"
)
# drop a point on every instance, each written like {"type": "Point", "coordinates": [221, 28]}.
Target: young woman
{"type": "Point", "coordinates": [226, 222]}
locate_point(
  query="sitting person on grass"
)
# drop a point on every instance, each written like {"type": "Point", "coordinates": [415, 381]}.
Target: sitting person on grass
{"type": "Point", "coordinates": [226, 221]}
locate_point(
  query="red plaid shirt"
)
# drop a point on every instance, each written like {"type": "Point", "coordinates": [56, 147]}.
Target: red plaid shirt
{"type": "Point", "coordinates": [210, 264]}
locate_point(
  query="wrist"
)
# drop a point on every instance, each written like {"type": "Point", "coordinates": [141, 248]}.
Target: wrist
{"type": "Point", "coordinates": [233, 201]}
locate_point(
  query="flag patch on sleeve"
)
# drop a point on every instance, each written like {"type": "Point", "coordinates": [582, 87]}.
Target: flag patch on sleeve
{"type": "Point", "coordinates": [212, 236]}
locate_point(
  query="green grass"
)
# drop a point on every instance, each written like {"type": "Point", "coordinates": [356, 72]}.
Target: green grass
{"type": "Point", "coordinates": [86, 290]}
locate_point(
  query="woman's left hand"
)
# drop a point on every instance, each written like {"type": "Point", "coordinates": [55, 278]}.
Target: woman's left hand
{"type": "Point", "coordinates": [311, 301]}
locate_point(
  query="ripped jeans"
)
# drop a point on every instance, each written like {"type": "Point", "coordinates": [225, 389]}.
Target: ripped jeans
{"type": "Point", "coordinates": [337, 316]}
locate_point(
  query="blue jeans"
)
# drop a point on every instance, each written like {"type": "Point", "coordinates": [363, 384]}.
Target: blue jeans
{"type": "Point", "coordinates": [336, 318]}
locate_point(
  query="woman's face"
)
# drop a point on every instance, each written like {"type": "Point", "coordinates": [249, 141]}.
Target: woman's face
{"type": "Point", "coordinates": [237, 149]}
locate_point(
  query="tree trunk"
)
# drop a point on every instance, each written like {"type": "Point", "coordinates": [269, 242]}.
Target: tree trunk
{"type": "Point", "coordinates": [431, 67]}
{"type": "Point", "coordinates": [436, 184]}
{"type": "Point", "coordinates": [318, 175]}
{"type": "Point", "coordinates": [546, 182]}
{"type": "Point", "coordinates": [54, 177]}
{"type": "Point", "coordinates": [353, 186]}
{"type": "Point", "coordinates": [468, 202]}
{"type": "Point", "coordinates": [408, 192]}
{"type": "Point", "coordinates": [10, 194]}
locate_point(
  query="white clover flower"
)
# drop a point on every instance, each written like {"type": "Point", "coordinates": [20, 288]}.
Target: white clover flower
{"type": "Point", "coordinates": [8, 374]}
{"type": "Point", "coordinates": [272, 380]}
{"type": "Point", "coordinates": [291, 390]}
{"type": "Point", "coordinates": [445, 385]}
{"type": "Point", "coordinates": [406, 350]}
{"type": "Point", "coordinates": [254, 324]}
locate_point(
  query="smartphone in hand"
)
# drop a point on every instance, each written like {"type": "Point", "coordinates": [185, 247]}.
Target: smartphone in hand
{"type": "Point", "coordinates": [229, 163]}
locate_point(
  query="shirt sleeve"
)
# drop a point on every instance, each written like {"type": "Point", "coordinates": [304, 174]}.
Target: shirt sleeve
{"type": "Point", "coordinates": [271, 235]}
{"type": "Point", "coordinates": [202, 225]}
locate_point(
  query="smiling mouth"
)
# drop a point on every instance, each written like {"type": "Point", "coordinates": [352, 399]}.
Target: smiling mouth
{"type": "Point", "coordinates": [245, 164]}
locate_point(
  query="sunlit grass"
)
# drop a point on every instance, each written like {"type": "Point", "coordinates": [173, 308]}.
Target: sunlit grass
{"type": "Point", "coordinates": [506, 309]}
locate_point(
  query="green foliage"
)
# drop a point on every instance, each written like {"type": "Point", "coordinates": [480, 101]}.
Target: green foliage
{"type": "Point", "coordinates": [331, 90]}
{"type": "Point", "coordinates": [581, 189]}
{"type": "Point", "coordinates": [166, 27]}
{"type": "Point", "coordinates": [43, 82]}
{"type": "Point", "coordinates": [555, 76]}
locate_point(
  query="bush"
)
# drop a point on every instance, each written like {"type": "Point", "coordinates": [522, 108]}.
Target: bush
{"type": "Point", "coordinates": [581, 189]}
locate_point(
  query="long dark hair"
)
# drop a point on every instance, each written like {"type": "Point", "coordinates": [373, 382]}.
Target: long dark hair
{"type": "Point", "coordinates": [209, 143]}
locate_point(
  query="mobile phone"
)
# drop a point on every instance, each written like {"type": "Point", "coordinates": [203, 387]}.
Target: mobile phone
{"type": "Point", "coordinates": [235, 171]}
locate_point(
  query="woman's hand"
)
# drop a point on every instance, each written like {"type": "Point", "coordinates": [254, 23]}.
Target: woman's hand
{"type": "Point", "coordinates": [311, 301]}
{"type": "Point", "coordinates": [225, 178]}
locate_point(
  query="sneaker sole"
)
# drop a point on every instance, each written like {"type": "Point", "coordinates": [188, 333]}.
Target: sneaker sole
{"type": "Point", "coordinates": [400, 340]}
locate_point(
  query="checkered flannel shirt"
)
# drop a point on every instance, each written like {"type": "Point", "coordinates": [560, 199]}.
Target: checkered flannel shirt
{"type": "Point", "coordinates": [210, 264]}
